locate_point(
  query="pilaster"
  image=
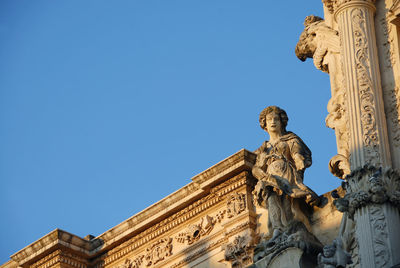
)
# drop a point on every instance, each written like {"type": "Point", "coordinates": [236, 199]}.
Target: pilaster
{"type": "Point", "coordinates": [372, 187]}
{"type": "Point", "coordinates": [367, 123]}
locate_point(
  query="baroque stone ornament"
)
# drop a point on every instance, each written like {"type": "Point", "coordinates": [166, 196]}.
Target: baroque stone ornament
{"type": "Point", "coordinates": [133, 263]}
{"type": "Point", "coordinates": [239, 251]}
{"type": "Point", "coordinates": [369, 185]}
{"type": "Point", "coordinates": [236, 204]}
{"type": "Point", "coordinates": [279, 168]}
{"type": "Point", "coordinates": [158, 251]}
{"type": "Point", "coordinates": [334, 256]}
{"type": "Point", "coordinates": [196, 231]}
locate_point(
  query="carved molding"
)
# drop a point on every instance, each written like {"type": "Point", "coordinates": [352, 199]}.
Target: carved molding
{"type": "Point", "coordinates": [215, 197]}
{"type": "Point", "coordinates": [334, 5]}
{"type": "Point", "coordinates": [58, 257]}
{"type": "Point", "coordinates": [369, 185]}
{"type": "Point", "coordinates": [157, 252]}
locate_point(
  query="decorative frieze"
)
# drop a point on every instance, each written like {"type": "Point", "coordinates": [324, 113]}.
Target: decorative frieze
{"type": "Point", "coordinates": [158, 251]}
{"type": "Point", "coordinates": [196, 231]}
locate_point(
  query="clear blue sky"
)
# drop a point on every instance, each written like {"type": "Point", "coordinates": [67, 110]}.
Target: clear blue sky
{"type": "Point", "coordinates": [108, 106]}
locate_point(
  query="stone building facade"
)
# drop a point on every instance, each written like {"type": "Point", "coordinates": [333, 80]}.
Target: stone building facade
{"type": "Point", "coordinates": [242, 212]}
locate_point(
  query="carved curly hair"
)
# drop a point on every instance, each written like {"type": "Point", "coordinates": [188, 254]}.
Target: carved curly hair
{"type": "Point", "coordinates": [282, 115]}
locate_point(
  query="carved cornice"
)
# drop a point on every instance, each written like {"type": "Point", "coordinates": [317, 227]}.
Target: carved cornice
{"type": "Point", "coordinates": [215, 197]}
{"type": "Point", "coordinates": [369, 185]}
{"type": "Point", "coordinates": [51, 241]}
{"type": "Point", "coordinates": [58, 257]}
{"type": "Point", "coordinates": [208, 188]}
{"type": "Point", "coordinates": [335, 5]}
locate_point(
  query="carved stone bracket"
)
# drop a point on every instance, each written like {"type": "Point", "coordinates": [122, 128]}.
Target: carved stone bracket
{"type": "Point", "coordinates": [239, 251]}
{"type": "Point", "coordinates": [369, 185]}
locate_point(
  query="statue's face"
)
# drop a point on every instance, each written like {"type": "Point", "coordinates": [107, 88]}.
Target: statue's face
{"type": "Point", "coordinates": [273, 122]}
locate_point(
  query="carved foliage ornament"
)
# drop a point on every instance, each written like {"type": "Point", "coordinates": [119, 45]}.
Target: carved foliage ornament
{"type": "Point", "coordinates": [239, 251]}
{"type": "Point", "coordinates": [158, 251]}
{"type": "Point", "coordinates": [363, 67]}
{"type": "Point", "coordinates": [369, 185]}
{"type": "Point", "coordinates": [154, 254]}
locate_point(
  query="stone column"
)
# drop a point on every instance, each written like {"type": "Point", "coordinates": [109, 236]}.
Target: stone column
{"type": "Point", "coordinates": [373, 195]}
{"type": "Point", "coordinates": [368, 134]}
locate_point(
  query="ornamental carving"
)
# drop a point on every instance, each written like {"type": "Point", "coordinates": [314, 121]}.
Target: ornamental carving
{"type": "Point", "coordinates": [391, 93]}
{"type": "Point", "coordinates": [367, 105]}
{"type": "Point", "coordinates": [236, 204]}
{"type": "Point", "coordinates": [239, 251]}
{"type": "Point", "coordinates": [333, 5]}
{"type": "Point", "coordinates": [158, 251]}
{"type": "Point", "coordinates": [369, 185]}
{"type": "Point", "coordinates": [380, 235]}
{"type": "Point", "coordinates": [196, 231]}
{"type": "Point", "coordinates": [135, 263]}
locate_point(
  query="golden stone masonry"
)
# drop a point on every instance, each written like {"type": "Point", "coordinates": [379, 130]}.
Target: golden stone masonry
{"type": "Point", "coordinates": [252, 209]}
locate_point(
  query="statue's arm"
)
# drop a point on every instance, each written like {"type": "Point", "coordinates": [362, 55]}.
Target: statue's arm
{"type": "Point", "coordinates": [300, 153]}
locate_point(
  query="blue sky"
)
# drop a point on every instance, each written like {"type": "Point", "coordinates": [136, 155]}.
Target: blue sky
{"type": "Point", "coordinates": [108, 106]}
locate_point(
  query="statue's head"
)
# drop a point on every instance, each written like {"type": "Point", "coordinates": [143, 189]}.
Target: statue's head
{"type": "Point", "coordinates": [306, 46]}
{"type": "Point", "coordinates": [273, 110]}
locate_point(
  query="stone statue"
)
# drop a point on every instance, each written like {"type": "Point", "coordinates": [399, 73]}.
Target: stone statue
{"type": "Point", "coordinates": [333, 256]}
{"type": "Point", "coordinates": [279, 168]}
